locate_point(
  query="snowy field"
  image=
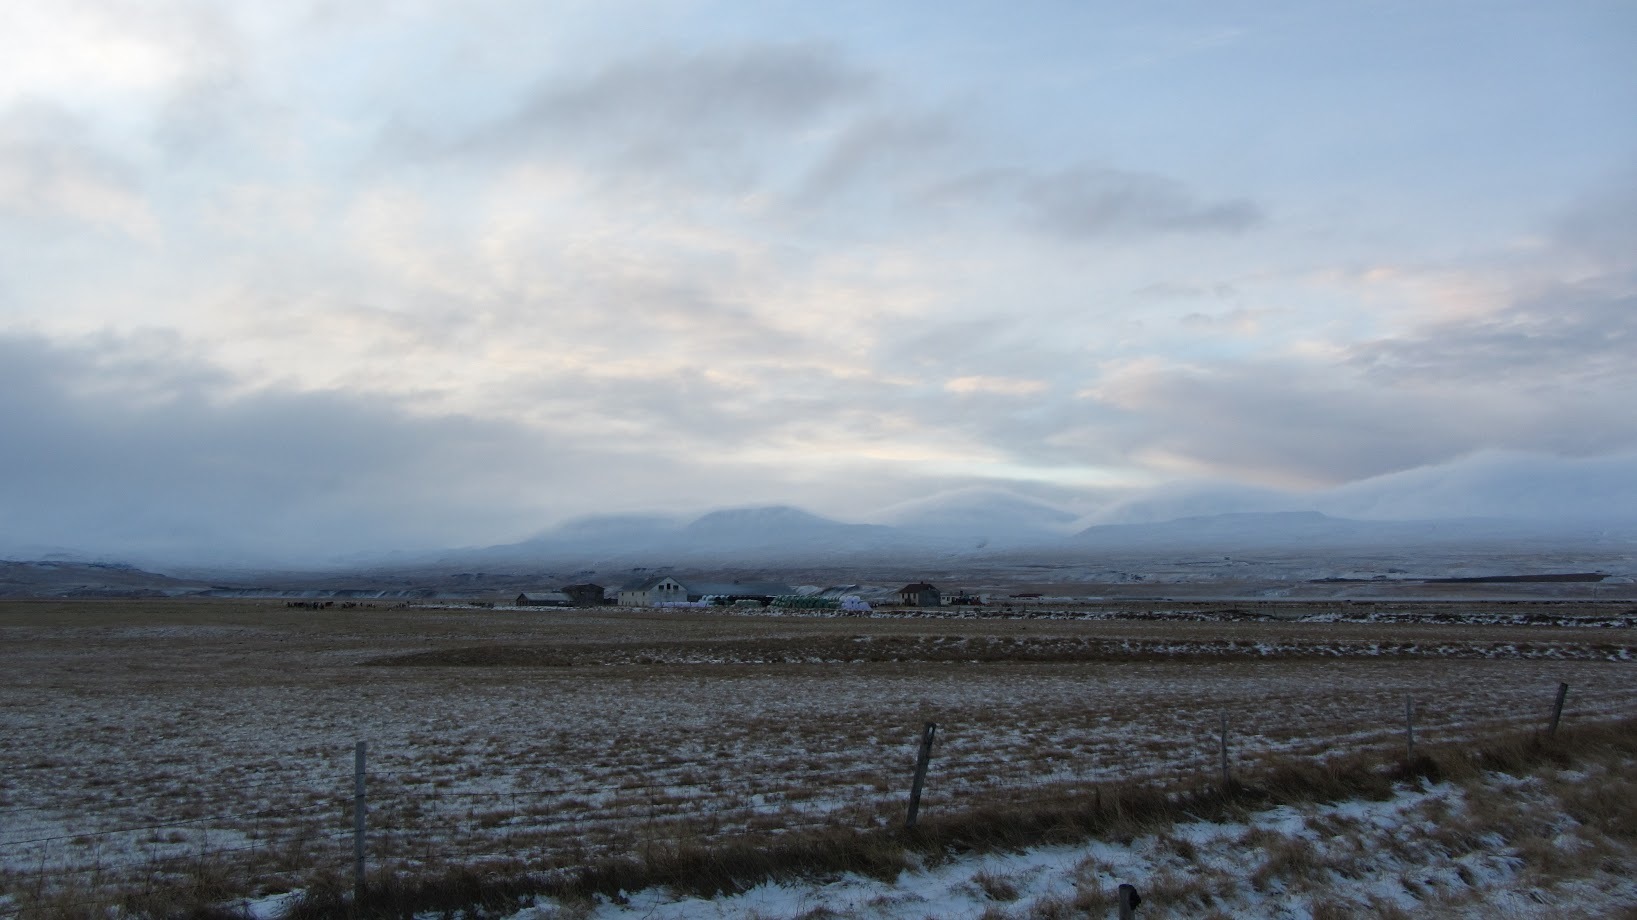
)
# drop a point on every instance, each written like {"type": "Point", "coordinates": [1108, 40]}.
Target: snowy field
{"type": "Point", "coordinates": [153, 737]}
{"type": "Point", "coordinates": [1429, 851]}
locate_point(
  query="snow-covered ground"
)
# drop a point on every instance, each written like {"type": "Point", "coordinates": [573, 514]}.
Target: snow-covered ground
{"type": "Point", "coordinates": [1426, 852]}
{"type": "Point", "coordinates": [145, 735]}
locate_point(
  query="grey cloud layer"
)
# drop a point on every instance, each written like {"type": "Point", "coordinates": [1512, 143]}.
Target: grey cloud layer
{"type": "Point", "coordinates": [132, 447]}
{"type": "Point", "coordinates": [1089, 203]}
{"type": "Point", "coordinates": [726, 117]}
{"type": "Point", "coordinates": [735, 269]}
{"type": "Point", "coordinates": [1569, 335]}
{"type": "Point", "coordinates": [703, 113]}
{"type": "Point", "coordinates": [1578, 495]}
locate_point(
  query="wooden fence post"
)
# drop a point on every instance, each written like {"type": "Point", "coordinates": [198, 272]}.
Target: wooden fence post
{"type": "Point", "coordinates": [921, 761]}
{"type": "Point", "coordinates": [1557, 709]}
{"type": "Point", "coordinates": [1409, 728]}
{"type": "Point", "coordinates": [358, 810]}
{"type": "Point", "coordinates": [1225, 777]}
{"type": "Point", "coordinates": [1129, 899]}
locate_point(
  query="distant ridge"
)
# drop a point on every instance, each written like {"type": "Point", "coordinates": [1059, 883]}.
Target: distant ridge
{"type": "Point", "coordinates": [52, 578]}
{"type": "Point", "coordinates": [1310, 529]}
{"type": "Point", "coordinates": [983, 518]}
{"type": "Point", "coordinates": [953, 530]}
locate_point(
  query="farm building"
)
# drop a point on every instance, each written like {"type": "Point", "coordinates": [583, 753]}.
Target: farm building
{"type": "Point", "coordinates": [586, 595]}
{"type": "Point", "coordinates": [920, 594]}
{"type": "Point", "coordinates": [651, 592]}
{"type": "Point", "coordinates": [763, 592]}
{"type": "Point", "coordinates": [542, 599]}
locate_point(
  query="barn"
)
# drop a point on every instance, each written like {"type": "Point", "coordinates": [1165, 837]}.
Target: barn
{"type": "Point", "coordinates": [651, 592]}
{"type": "Point", "coordinates": [586, 595]}
{"type": "Point", "coordinates": [920, 594]}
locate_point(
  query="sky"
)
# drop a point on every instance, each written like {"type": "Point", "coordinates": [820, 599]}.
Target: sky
{"type": "Point", "coordinates": [293, 281]}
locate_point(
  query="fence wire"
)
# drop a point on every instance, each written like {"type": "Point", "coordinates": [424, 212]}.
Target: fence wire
{"type": "Point", "coordinates": [418, 822]}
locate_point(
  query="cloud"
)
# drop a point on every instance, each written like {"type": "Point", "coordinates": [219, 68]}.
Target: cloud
{"type": "Point", "coordinates": [894, 144]}
{"type": "Point", "coordinates": [1587, 492]}
{"type": "Point", "coordinates": [1162, 291]}
{"type": "Point", "coordinates": [78, 47]}
{"type": "Point", "coordinates": [1599, 231]}
{"type": "Point", "coordinates": [53, 170]}
{"type": "Point", "coordinates": [717, 260]}
{"type": "Point", "coordinates": [1507, 484]}
{"type": "Point", "coordinates": [1000, 386]}
{"type": "Point", "coordinates": [133, 446]}
{"type": "Point", "coordinates": [1087, 203]}
{"type": "Point", "coordinates": [1237, 322]}
{"type": "Point", "coordinates": [1309, 423]}
{"type": "Point", "coordinates": [129, 446]}
{"type": "Point", "coordinates": [703, 113]}
{"type": "Point", "coordinates": [1540, 363]}
{"type": "Point", "coordinates": [1566, 334]}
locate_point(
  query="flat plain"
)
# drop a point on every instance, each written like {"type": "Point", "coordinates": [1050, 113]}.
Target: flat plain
{"type": "Point", "coordinates": [151, 730]}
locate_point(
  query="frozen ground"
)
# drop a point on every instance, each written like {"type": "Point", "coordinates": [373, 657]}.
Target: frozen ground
{"type": "Point", "coordinates": [1426, 852]}
{"type": "Point", "coordinates": [152, 736]}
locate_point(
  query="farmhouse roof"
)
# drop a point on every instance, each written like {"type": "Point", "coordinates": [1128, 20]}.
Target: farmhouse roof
{"type": "Point", "coordinates": [918, 586]}
{"type": "Point", "coordinates": [643, 584]}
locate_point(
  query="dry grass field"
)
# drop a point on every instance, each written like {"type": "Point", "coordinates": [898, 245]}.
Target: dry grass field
{"type": "Point", "coordinates": [210, 742]}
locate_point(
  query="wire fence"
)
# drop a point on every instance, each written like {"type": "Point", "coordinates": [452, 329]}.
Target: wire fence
{"type": "Point", "coordinates": [54, 862]}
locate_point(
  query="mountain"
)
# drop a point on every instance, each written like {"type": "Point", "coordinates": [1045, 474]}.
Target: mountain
{"type": "Point", "coordinates": [52, 578]}
{"type": "Point", "coordinates": [982, 518]}
{"type": "Point", "coordinates": [780, 531]}
{"type": "Point", "coordinates": [964, 525]}
{"type": "Point", "coordinates": [1303, 529]}
{"type": "Point", "coordinates": [776, 533]}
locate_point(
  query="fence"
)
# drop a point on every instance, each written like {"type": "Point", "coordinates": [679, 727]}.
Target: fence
{"type": "Point", "coordinates": [410, 821]}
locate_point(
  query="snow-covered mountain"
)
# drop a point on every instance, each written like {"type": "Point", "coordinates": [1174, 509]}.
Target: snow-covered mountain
{"type": "Point", "coordinates": [777, 533]}
{"type": "Point", "coordinates": [782, 526]}
{"type": "Point", "coordinates": [1309, 529]}
{"type": "Point", "coordinates": [970, 525]}
{"type": "Point", "coordinates": [957, 529]}
{"type": "Point", "coordinates": [982, 518]}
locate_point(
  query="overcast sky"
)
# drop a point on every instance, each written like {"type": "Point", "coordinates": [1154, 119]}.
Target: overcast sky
{"type": "Point", "coordinates": [284, 280]}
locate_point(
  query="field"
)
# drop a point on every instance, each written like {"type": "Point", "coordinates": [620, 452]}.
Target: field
{"type": "Point", "coordinates": [149, 740]}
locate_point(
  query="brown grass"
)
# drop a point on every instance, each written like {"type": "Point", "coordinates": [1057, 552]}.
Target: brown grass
{"type": "Point", "coordinates": [99, 687]}
{"type": "Point", "coordinates": [708, 871]}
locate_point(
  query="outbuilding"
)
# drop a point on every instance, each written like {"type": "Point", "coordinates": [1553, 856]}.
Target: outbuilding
{"type": "Point", "coordinates": [541, 599]}
{"type": "Point", "coordinates": [586, 595]}
{"type": "Point", "coordinates": [920, 594]}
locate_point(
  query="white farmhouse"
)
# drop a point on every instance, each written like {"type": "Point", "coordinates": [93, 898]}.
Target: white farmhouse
{"type": "Point", "coordinates": [651, 592]}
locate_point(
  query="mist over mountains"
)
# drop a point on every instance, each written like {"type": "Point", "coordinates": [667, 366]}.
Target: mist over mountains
{"type": "Point", "coordinates": [987, 524]}
{"type": "Point", "coordinates": [961, 528]}
{"type": "Point", "coordinates": [1004, 535]}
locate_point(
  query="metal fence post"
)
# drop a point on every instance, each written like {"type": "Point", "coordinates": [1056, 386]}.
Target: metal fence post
{"type": "Point", "coordinates": [1409, 728]}
{"type": "Point", "coordinates": [1129, 899]}
{"type": "Point", "coordinates": [921, 761]}
{"type": "Point", "coordinates": [1557, 709]}
{"type": "Point", "coordinates": [1225, 778]}
{"type": "Point", "coordinates": [359, 807]}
